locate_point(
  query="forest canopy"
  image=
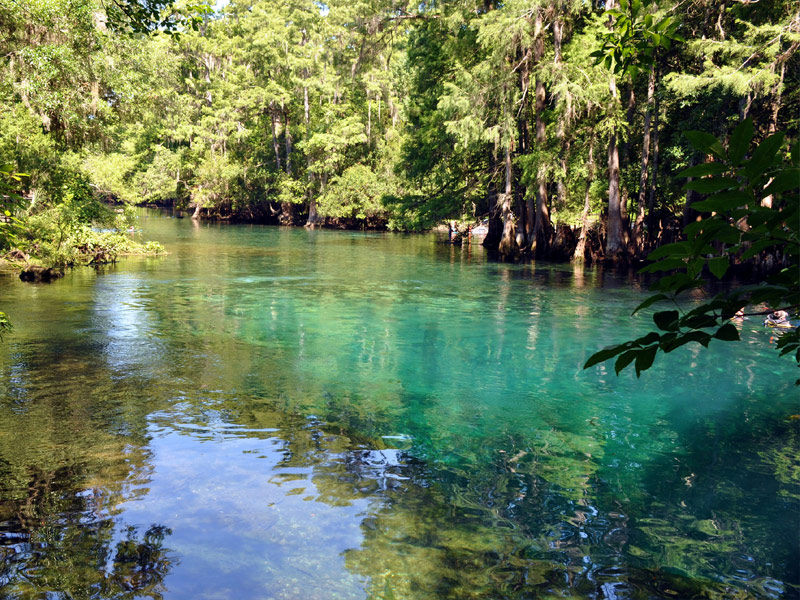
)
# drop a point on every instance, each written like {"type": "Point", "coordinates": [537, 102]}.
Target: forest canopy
{"type": "Point", "coordinates": [558, 122]}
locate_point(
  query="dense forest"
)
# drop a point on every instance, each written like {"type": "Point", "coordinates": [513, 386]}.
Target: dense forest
{"type": "Point", "coordinates": [559, 123]}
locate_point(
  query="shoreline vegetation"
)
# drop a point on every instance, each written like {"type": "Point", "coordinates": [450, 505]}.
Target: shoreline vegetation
{"type": "Point", "coordinates": [56, 240]}
{"type": "Point", "coordinates": [561, 124]}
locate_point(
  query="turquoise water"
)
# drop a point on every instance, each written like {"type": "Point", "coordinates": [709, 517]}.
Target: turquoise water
{"type": "Point", "coordinates": [281, 413]}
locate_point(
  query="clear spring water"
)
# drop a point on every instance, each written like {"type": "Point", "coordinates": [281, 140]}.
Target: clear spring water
{"type": "Point", "coordinates": [279, 413]}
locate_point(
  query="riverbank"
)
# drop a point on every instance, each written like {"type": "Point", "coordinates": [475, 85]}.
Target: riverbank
{"type": "Point", "coordinates": [96, 248]}
{"type": "Point", "coordinates": [43, 244]}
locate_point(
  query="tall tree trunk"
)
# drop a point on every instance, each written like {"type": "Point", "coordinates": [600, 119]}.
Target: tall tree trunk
{"type": "Point", "coordinates": [625, 160]}
{"type": "Point", "coordinates": [690, 214]}
{"type": "Point", "coordinates": [274, 118]}
{"type": "Point", "coordinates": [305, 103]}
{"type": "Point", "coordinates": [530, 206]}
{"type": "Point", "coordinates": [744, 105]}
{"type": "Point", "coordinates": [651, 200]}
{"type": "Point", "coordinates": [561, 186]}
{"type": "Point", "coordinates": [776, 104]}
{"type": "Point", "coordinates": [638, 226]}
{"type": "Point", "coordinates": [288, 214]}
{"type": "Point", "coordinates": [719, 21]}
{"type": "Point", "coordinates": [288, 138]}
{"type": "Point", "coordinates": [558, 37]}
{"type": "Point", "coordinates": [495, 228]}
{"type": "Point", "coordinates": [580, 249]}
{"type": "Point", "coordinates": [543, 229]}
{"type": "Point", "coordinates": [561, 129]}
{"type": "Point", "coordinates": [313, 216]}
{"type": "Point", "coordinates": [208, 64]}
{"type": "Point", "coordinates": [508, 249]}
{"type": "Point", "coordinates": [773, 122]}
{"type": "Point", "coordinates": [615, 246]}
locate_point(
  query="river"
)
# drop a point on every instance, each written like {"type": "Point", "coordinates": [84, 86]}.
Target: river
{"type": "Point", "coordinates": [281, 413]}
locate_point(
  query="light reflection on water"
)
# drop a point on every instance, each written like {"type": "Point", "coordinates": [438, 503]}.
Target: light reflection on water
{"type": "Point", "coordinates": [344, 415]}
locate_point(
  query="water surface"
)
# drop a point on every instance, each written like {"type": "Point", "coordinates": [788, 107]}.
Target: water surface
{"type": "Point", "coordinates": [278, 413]}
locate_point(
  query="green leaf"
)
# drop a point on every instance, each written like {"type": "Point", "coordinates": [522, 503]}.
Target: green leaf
{"type": "Point", "coordinates": [650, 338]}
{"type": "Point", "coordinates": [788, 179]}
{"type": "Point", "coordinates": [604, 354]}
{"type": "Point", "coordinates": [696, 228]}
{"type": "Point", "coordinates": [649, 302]}
{"type": "Point", "coordinates": [691, 336]}
{"type": "Point", "coordinates": [711, 168]}
{"type": "Point", "coordinates": [664, 24]}
{"type": "Point", "coordinates": [676, 282]}
{"type": "Point", "coordinates": [701, 337]}
{"type": "Point", "coordinates": [676, 249]}
{"type": "Point", "coordinates": [699, 321]}
{"type": "Point", "coordinates": [625, 359]}
{"type": "Point", "coordinates": [724, 201]}
{"type": "Point", "coordinates": [718, 266]}
{"type": "Point", "coordinates": [666, 320]}
{"type": "Point", "coordinates": [705, 142]}
{"type": "Point", "coordinates": [727, 333]}
{"type": "Point", "coordinates": [711, 185]}
{"type": "Point", "coordinates": [667, 264]}
{"type": "Point", "coordinates": [757, 247]}
{"type": "Point", "coordinates": [740, 141]}
{"type": "Point", "coordinates": [764, 155]}
{"type": "Point", "coordinates": [645, 358]}
{"type": "Point", "coordinates": [694, 266]}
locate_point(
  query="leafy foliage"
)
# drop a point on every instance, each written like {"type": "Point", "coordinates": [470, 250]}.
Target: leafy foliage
{"type": "Point", "coordinates": [10, 182]}
{"type": "Point", "coordinates": [751, 206]}
{"type": "Point", "coordinates": [356, 194]}
{"type": "Point", "coordinates": [636, 35]}
{"type": "Point", "coordinates": [262, 109]}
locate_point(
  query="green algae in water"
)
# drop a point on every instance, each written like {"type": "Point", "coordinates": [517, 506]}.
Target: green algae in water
{"type": "Point", "coordinates": [337, 415]}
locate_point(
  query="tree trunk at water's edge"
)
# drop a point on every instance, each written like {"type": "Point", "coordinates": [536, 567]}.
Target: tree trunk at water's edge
{"type": "Point", "coordinates": [580, 249]}
{"type": "Point", "coordinates": [615, 245]}
{"type": "Point", "coordinates": [637, 235]}
{"type": "Point", "coordinates": [508, 249]}
{"type": "Point", "coordinates": [543, 228]}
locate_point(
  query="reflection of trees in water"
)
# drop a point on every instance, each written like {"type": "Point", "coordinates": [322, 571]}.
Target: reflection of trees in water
{"type": "Point", "coordinates": [441, 535]}
{"type": "Point", "coordinates": [73, 446]}
{"type": "Point", "coordinates": [61, 539]}
{"type": "Point", "coordinates": [517, 516]}
{"type": "Point", "coordinates": [538, 523]}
